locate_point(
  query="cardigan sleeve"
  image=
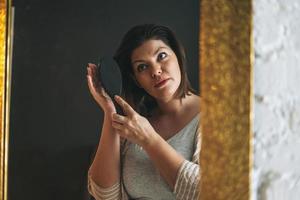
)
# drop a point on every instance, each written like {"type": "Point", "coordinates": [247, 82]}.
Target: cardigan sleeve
{"type": "Point", "coordinates": [114, 192]}
{"type": "Point", "coordinates": [100, 193]}
{"type": "Point", "coordinates": [188, 176]}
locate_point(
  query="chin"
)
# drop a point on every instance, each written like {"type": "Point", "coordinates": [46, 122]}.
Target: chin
{"type": "Point", "coordinates": [165, 96]}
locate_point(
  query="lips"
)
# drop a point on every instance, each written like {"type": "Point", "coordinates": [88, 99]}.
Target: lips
{"type": "Point", "coordinates": [161, 83]}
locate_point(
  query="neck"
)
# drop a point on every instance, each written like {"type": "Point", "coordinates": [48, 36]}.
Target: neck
{"type": "Point", "coordinates": [171, 107]}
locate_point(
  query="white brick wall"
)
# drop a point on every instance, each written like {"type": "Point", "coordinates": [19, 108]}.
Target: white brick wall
{"type": "Point", "coordinates": [276, 173]}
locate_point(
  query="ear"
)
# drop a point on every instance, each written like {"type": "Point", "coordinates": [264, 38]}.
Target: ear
{"type": "Point", "coordinates": [135, 81]}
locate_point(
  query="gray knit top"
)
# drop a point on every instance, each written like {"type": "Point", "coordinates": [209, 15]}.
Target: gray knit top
{"type": "Point", "coordinates": [142, 181]}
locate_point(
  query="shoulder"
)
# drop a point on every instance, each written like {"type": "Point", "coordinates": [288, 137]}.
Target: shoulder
{"type": "Point", "coordinates": [193, 105]}
{"type": "Point", "coordinates": [195, 100]}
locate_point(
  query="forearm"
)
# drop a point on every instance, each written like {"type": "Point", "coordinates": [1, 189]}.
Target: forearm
{"type": "Point", "coordinates": [105, 169]}
{"type": "Point", "coordinates": [165, 159]}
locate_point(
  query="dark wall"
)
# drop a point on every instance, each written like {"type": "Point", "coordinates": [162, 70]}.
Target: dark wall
{"type": "Point", "coordinates": [55, 124]}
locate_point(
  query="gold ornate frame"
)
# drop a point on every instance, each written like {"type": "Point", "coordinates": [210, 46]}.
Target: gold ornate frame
{"type": "Point", "coordinates": [226, 90]}
{"type": "Point", "coordinates": [5, 78]}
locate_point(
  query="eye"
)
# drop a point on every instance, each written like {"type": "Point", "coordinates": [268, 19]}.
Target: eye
{"type": "Point", "coordinates": [141, 67]}
{"type": "Point", "coordinates": [162, 55]}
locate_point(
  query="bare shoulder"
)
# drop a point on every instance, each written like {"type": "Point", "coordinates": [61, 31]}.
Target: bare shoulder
{"type": "Point", "coordinates": [192, 109]}
{"type": "Point", "coordinates": [193, 105]}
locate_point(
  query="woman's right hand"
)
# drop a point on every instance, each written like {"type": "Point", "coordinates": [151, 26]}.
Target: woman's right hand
{"type": "Point", "coordinates": [98, 92]}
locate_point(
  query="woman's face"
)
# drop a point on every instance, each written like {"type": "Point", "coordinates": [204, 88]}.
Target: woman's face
{"type": "Point", "coordinates": [156, 69]}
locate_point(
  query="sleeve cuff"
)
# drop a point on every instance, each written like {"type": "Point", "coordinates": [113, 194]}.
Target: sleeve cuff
{"type": "Point", "coordinates": [187, 182]}
{"type": "Point", "coordinates": [100, 193]}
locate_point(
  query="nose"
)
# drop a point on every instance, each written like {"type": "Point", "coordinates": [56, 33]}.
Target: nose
{"type": "Point", "coordinates": [156, 71]}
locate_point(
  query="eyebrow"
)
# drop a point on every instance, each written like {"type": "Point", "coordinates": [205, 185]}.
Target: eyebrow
{"type": "Point", "coordinates": [153, 54]}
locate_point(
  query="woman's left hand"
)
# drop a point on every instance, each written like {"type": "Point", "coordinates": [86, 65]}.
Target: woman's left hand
{"type": "Point", "coordinates": [133, 126]}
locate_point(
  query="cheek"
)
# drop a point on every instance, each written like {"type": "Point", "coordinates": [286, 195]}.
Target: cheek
{"type": "Point", "coordinates": [178, 72]}
{"type": "Point", "coordinates": [174, 68]}
{"type": "Point", "coordinates": [142, 81]}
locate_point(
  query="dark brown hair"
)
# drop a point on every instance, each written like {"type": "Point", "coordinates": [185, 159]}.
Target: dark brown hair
{"type": "Point", "coordinates": [137, 97]}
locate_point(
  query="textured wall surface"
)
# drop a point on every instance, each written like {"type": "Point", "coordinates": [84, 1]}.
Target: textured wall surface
{"type": "Point", "coordinates": [277, 100]}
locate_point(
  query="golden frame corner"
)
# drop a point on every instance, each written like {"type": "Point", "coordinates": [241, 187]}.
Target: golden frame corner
{"type": "Point", "coordinates": [226, 59]}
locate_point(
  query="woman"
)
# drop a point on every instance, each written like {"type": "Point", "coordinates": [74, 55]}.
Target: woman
{"type": "Point", "coordinates": [150, 152]}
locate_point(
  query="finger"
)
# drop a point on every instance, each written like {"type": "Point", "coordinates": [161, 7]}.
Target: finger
{"type": "Point", "coordinates": [119, 118]}
{"type": "Point", "coordinates": [91, 82]}
{"type": "Point", "coordinates": [91, 65]}
{"type": "Point", "coordinates": [117, 126]}
{"type": "Point", "coordinates": [104, 93]}
{"type": "Point", "coordinates": [96, 91]}
{"type": "Point", "coordinates": [125, 106]}
{"type": "Point", "coordinates": [88, 70]}
{"type": "Point", "coordinates": [91, 85]}
{"type": "Point", "coordinates": [92, 71]}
